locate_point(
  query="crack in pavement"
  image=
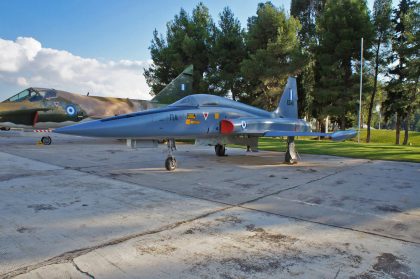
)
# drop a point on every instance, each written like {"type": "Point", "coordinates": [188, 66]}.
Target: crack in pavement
{"type": "Point", "coordinates": [329, 225]}
{"type": "Point", "coordinates": [338, 272]}
{"type": "Point", "coordinates": [81, 271]}
{"type": "Point", "coordinates": [6, 178]}
{"type": "Point", "coordinates": [68, 257]}
{"type": "Point", "coordinates": [294, 187]}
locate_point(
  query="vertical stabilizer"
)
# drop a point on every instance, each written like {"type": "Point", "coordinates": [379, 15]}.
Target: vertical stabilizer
{"type": "Point", "coordinates": [177, 89]}
{"type": "Point", "coordinates": [288, 102]}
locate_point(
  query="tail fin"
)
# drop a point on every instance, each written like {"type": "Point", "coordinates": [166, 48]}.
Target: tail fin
{"type": "Point", "coordinates": [288, 102]}
{"type": "Point", "coordinates": [177, 89]}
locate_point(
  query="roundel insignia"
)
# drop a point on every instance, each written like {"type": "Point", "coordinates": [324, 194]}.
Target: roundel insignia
{"type": "Point", "coordinates": [243, 124]}
{"type": "Point", "coordinates": [70, 110]}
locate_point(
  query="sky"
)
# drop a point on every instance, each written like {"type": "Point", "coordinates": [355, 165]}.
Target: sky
{"type": "Point", "coordinates": [94, 46]}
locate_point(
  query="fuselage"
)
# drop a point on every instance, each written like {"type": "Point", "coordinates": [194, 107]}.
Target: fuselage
{"type": "Point", "coordinates": [41, 108]}
{"type": "Point", "coordinates": [196, 116]}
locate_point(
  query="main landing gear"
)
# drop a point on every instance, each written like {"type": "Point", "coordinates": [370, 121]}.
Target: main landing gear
{"type": "Point", "coordinates": [291, 154]}
{"type": "Point", "coordinates": [46, 140]}
{"type": "Point", "coordinates": [170, 162]}
{"type": "Point", "coordinates": [220, 150]}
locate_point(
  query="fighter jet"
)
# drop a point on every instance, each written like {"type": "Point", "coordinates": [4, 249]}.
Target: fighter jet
{"type": "Point", "coordinates": [42, 109]}
{"type": "Point", "coordinates": [211, 120]}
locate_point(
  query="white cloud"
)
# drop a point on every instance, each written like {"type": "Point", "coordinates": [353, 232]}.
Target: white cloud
{"type": "Point", "coordinates": [25, 63]}
{"type": "Point", "coordinates": [22, 81]}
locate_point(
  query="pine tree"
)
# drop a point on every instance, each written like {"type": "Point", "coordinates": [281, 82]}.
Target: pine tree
{"type": "Point", "coordinates": [188, 41]}
{"type": "Point", "coordinates": [227, 53]}
{"type": "Point", "coordinates": [402, 97]}
{"type": "Point", "coordinates": [382, 27]}
{"type": "Point", "coordinates": [307, 12]}
{"type": "Point", "coordinates": [340, 28]}
{"type": "Point", "coordinates": [273, 49]}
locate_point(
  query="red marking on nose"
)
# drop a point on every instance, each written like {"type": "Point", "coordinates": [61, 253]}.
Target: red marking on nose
{"type": "Point", "coordinates": [226, 127]}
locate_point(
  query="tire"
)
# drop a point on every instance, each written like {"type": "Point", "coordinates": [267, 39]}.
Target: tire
{"type": "Point", "coordinates": [46, 140]}
{"type": "Point", "coordinates": [220, 150]}
{"type": "Point", "coordinates": [170, 163]}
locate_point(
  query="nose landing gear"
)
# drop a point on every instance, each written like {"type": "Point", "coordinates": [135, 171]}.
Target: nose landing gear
{"type": "Point", "coordinates": [170, 162]}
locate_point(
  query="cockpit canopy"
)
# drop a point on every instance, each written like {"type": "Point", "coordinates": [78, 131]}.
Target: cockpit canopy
{"type": "Point", "coordinates": [202, 100]}
{"type": "Point", "coordinates": [33, 95]}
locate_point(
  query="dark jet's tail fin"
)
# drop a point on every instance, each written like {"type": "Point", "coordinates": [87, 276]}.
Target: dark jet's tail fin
{"type": "Point", "coordinates": [288, 102]}
{"type": "Point", "coordinates": [177, 89]}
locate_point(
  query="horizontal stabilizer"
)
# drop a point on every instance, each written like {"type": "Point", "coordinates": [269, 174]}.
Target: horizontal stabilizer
{"type": "Point", "coordinates": [336, 136]}
{"type": "Point", "coordinates": [343, 135]}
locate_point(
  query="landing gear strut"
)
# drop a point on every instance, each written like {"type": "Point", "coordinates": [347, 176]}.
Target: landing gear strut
{"type": "Point", "coordinates": [291, 156]}
{"type": "Point", "coordinates": [46, 140]}
{"type": "Point", "coordinates": [170, 162]}
{"type": "Point", "coordinates": [220, 150]}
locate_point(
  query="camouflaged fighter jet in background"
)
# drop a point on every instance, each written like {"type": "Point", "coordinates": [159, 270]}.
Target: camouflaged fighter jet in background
{"type": "Point", "coordinates": [42, 109]}
{"type": "Point", "coordinates": [211, 120]}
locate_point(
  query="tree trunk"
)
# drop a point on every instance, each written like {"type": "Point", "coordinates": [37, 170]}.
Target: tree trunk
{"type": "Point", "coordinates": [318, 127]}
{"type": "Point", "coordinates": [233, 93]}
{"type": "Point", "coordinates": [372, 97]}
{"type": "Point", "coordinates": [397, 130]}
{"type": "Point", "coordinates": [410, 110]}
{"type": "Point", "coordinates": [343, 122]}
{"type": "Point", "coordinates": [407, 122]}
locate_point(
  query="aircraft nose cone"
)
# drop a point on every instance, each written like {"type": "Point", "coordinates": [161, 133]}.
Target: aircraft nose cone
{"type": "Point", "coordinates": [82, 129]}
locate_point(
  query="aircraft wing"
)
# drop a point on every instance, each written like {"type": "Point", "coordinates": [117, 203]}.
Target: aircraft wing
{"type": "Point", "coordinates": [277, 127]}
{"type": "Point", "coordinates": [22, 116]}
{"type": "Point", "coordinates": [336, 136]}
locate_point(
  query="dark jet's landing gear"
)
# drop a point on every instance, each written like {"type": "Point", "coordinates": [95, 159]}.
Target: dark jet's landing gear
{"type": "Point", "coordinates": [5, 128]}
{"type": "Point", "coordinates": [46, 140]}
{"type": "Point", "coordinates": [291, 155]}
{"type": "Point", "coordinates": [170, 163]}
{"type": "Point", "coordinates": [220, 150]}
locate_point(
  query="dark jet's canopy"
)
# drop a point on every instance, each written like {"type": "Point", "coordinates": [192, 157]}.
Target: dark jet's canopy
{"type": "Point", "coordinates": [33, 94]}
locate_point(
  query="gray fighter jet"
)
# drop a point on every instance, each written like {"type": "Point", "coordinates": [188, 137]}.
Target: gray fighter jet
{"type": "Point", "coordinates": [211, 120]}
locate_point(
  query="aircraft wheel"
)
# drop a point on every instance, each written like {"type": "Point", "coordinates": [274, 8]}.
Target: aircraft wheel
{"type": "Point", "coordinates": [46, 140]}
{"type": "Point", "coordinates": [220, 150]}
{"type": "Point", "coordinates": [170, 163]}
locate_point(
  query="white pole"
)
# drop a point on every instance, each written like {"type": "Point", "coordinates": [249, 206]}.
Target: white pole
{"type": "Point", "coordinates": [360, 95]}
{"type": "Point", "coordinates": [379, 120]}
{"type": "Point", "coordinates": [326, 124]}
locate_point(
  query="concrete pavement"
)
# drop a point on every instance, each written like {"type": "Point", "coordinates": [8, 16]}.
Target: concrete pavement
{"type": "Point", "coordinates": [83, 208]}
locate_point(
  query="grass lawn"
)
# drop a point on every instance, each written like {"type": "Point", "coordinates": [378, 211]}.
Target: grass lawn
{"type": "Point", "coordinates": [382, 146]}
{"type": "Point", "coordinates": [376, 151]}
{"type": "Point", "coordinates": [388, 137]}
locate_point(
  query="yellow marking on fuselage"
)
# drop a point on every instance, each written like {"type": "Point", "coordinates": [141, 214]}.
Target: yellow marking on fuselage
{"type": "Point", "coordinates": [191, 116]}
{"type": "Point", "coordinates": [192, 122]}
